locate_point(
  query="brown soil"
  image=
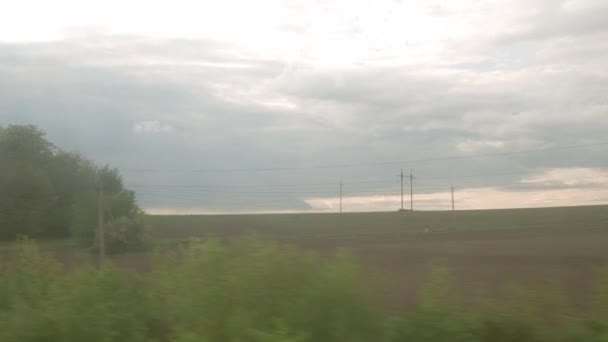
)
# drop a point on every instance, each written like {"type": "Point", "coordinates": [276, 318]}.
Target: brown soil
{"type": "Point", "coordinates": [478, 261]}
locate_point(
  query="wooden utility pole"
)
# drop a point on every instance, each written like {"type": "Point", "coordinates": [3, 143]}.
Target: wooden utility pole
{"type": "Point", "coordinates": [340, 196]}
{"type": "Point", "coordinates": [101, 243]}
{"type": "Point", "coordinates": [452, 188]}
{"type": "Point", "coordinates": [411, 191]}
{"type": "Point", "coordinates": [402, 176]}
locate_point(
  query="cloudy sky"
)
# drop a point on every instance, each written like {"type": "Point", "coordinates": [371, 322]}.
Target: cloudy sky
{"type": "Point", "coordinates": [258, 106]}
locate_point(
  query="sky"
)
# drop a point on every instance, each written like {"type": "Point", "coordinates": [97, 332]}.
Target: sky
{"type": "Point", "coordinates": [267, 106]}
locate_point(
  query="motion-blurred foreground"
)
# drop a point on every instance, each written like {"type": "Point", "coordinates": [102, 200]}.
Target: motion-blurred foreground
{"type": "Point", "coordinates": [255, 290]}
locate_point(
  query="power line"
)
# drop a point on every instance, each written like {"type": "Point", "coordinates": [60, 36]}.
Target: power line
{"type": "Point", "coordinates": [228, 201]}
{"type": "Point", "coordinates": [192, 195]}
{"type": "Point", "coordinates": [254, 185]}
{"type": "Point", "coordinates": [506, 173]}
{"type": "Point", "coordinates": [329, 166]}
{"type": "Point", "coordinates": [187, 191]}
{"type": "Point", "coordinates": [384, 181]}
{"type": "Point", "coordinates": [265, 196]}
{"type": "Point", "coordinates": [192, 189]}
{"type": "Point", "coordinates": [202, 200]}
{"type": "Point", "coordinates": [529, 185]}
{"type": "Point", "coordinates": [247, 191]}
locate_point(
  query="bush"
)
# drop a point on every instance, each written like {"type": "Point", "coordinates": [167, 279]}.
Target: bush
{"type": "Point", "coordinates": [248, 290]}
{"type": "Point", "coordinates": [97, 305]}
{"type": "Point", "coordinates": [124, 234]}
{"type": "Point", "coordinates": [39, 302]}
{"type": "Point", "coordinates": [435, 319]}
{"type": "Point", "coordinates": [252, 290]}
{"type": "Point", "coordinates": [124, 224]}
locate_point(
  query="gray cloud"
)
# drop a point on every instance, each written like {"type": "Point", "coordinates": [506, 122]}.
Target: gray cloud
{"type": "Point", "coordinates": [164, 110]}
{"type": "Point", "coordinates": [559, 19]}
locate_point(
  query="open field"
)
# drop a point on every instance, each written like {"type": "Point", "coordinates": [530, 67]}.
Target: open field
{"type": "Point", "coordinates": [484, 249]}
{"type": "Point", "coordinates": [350, 225]}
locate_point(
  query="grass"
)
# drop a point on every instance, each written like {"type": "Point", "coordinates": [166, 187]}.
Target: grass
{"type": "Point", "coordinates": [48, 244]}
{"type": "Point", "coordinates": [253, 290]}
{"type": "Point", "coordinates": [165, 230]}
{"type": "Point", "coordinates": [484, 248]}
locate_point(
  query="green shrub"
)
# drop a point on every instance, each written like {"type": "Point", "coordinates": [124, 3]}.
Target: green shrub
{"type": "Point", "coordinates": [251, 290]}
{"type": "Point", "coordinates": [435, 319]}
{"type": "Point", "coordinates": [40, 302]}
{"type": "Point", "coordinates": [26, 284]}
{"type": "Point", "coordinates": [97, 305]}
{"type": "Point", "coordinates": [254, 291]}
{"type": "Point", "coordinates": [124, 234]}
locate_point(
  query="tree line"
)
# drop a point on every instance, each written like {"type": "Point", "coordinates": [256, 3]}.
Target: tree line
{"type": "Point", "coordinates": [46, 192]}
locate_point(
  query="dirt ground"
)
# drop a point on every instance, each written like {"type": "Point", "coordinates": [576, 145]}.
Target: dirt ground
{"type": "Point", "coordinates": [488, 262]}
{"type": "Point", "coordinates": [538, 249]}
{"type": "Point", "coordinates": [479, 263]}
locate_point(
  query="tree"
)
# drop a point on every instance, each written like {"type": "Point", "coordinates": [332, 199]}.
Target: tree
{"type": "Point", "coordinates": [46, 192]}
{"type": "Point", "coordinates": [27, 193]}
{"type": "Point", "coordinates": [124, 226]}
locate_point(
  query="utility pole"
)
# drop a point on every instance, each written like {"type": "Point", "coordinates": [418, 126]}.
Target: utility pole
{"type": "Point", "coordinates": [100, 225]}
{"type": "Point", "coordinates": [402, 176]}
{"type": "Point", "coordinates": [411, 191]}
{"type": "Point", "coordinates": [340, 196]}
{"type": "Point", "coordinates": [452, 188]}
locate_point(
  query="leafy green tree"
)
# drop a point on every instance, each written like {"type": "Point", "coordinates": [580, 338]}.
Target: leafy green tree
{"type": "Point", "coordinates": [27, 193]}
{"type": "Point", "coordinates": [124, 234]}
{"type": "Point", "coordinates": [46, 192]}
{"type": "Point", "coordinates": [122, 217]}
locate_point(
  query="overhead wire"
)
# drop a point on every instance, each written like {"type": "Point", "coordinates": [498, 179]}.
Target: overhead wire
{"type": "Point", "coordinates": [264, 194]}
{"type": "Point", "coordinates": [329, 166]}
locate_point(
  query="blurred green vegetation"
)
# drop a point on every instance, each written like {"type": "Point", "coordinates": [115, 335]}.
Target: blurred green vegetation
{"type": "Point", "coordinates": [255, 290]}
{"type": "Point", "coordinates": [49, 193]}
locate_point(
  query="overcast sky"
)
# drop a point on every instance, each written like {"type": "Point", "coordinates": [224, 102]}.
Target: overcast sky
{"type": "Point", "coordinates": [257, 106]}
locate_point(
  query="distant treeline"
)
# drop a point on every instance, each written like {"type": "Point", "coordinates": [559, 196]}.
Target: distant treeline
{"type": "Point", "coordinates": [252, 290]}
{"type": "Point", "coordinates": [47, 192]}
